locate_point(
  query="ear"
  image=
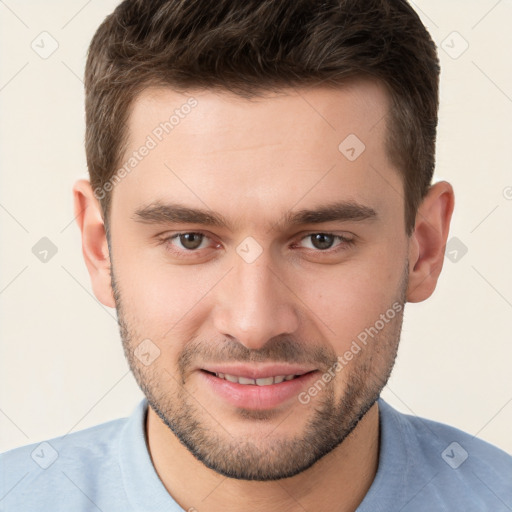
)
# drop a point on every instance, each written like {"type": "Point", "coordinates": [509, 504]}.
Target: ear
{"type": "Point", "coordinates": [427, 243]}
{"type": "Point", "coordinates": [89, 218]}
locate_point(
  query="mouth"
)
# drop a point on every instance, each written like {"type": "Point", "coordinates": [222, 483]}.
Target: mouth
{"type": "Point", "coordinates": [261, 381]}
{"type": "Point", "coordinates": [261, 388]}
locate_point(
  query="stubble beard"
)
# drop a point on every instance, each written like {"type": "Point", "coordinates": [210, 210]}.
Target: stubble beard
{"type": "Point", "coordinates": [272, 457]}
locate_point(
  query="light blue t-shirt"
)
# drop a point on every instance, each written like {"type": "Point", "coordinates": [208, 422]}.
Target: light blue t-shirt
{"type": "Point", "coordinates": [423, 466]}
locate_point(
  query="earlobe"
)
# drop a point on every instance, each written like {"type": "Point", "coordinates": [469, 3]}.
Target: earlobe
{"type": "Point", "coordinates": [428, 242]}
{"type": "Point", "coordinates": [89, 218]}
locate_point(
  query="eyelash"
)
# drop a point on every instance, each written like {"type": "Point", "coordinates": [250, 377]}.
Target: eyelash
{"type": "Point", "coordinates": [345, 244]}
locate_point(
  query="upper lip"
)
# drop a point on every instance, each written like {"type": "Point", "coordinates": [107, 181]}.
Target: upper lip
{"type": "Point", "coordinates": [260, 371]}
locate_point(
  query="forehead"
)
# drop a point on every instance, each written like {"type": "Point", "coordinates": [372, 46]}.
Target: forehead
{"type": "Point", "coordinates": [358, 105]}
{"type": "Point", "coordinates": [299, 144]}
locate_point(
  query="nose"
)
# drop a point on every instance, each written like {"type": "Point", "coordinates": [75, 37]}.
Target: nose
{"type": "Point", "coordinates": [255, 303]}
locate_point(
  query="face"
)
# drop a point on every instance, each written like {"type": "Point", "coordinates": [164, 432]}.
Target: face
{"type": "Point", "coordinates": [259, 269]}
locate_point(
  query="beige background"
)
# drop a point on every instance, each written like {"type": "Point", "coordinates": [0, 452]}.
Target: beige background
{"type": "Point", "coordinates": [61, 363]}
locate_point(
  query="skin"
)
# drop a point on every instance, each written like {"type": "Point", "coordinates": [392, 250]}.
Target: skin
{"type": "Point", "coordinates": [253, 161]}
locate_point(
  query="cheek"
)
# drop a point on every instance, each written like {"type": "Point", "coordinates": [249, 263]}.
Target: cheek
{"type": "Point", "coordinates": [345, 302]}
{"type": "Point", "coordinates": [163, 299]}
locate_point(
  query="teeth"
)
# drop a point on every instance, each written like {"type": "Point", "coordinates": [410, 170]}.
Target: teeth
{"type": "Point", "coordinates": [266, 381]}
{"type": "Point", "coordinates": [245, 380]}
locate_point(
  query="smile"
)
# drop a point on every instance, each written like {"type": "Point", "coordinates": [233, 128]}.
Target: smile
{"type": "Point", "coordinates": [265, 381]}
{"type": "Point", "coordinates": [249, 387]}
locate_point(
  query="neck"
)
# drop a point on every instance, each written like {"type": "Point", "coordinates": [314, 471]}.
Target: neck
{"type": "Point", "coordinates": [342, 477]}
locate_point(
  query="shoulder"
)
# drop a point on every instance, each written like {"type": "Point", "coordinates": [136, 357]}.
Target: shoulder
{"type": "Point", "coordinates": [450, 466]}
{"type": "Point", "coordinates": [73, 465]}
{"type": "Point", "coordinates": [94, 443]}
{"type": "Point", "coordinates": [457, 446]}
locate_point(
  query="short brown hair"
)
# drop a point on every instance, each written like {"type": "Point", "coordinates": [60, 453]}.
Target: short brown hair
{"type": "Point", "coordinates": [252, 46]}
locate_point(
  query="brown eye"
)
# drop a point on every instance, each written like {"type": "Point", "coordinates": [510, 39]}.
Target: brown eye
{"type": "Point", "coordinates": [191, 241]}
{"type": "Point", "coordinates": [325, 241]}
{"type": "Point", "coordinates": [322, 241]}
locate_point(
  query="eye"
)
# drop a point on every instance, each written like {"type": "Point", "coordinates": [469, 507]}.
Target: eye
{"type": "Point", "coordinates": [325, 241]}
{"type": "Point", "coordinates": [183, 242]}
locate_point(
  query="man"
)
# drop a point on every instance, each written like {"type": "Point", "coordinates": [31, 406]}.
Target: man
{"type": "Point", "coordinates": [260, 209]}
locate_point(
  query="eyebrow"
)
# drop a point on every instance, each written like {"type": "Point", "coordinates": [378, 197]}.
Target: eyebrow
{"type": "Point", "coordinates": [173, 213]}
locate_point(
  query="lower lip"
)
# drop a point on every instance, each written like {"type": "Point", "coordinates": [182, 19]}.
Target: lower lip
{"type": "Point", "coordinates": [251, 396]}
